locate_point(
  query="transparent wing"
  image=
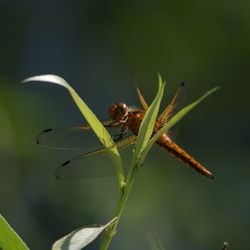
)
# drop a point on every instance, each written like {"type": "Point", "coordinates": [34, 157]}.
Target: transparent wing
{"type": "Point", "coordinates": [141, 98]}
{"type": "Point", "coordinates": [177, 103]}
{"type": "Point", "coordinates": [92, 164]}
{"type": "Point", "coordinates": [72, 137]}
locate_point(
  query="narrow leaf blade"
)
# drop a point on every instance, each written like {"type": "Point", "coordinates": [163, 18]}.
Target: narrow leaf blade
{"type": "Point", "coordinates": [9, 239]}
{"type": "Point", "coordinates": [148, 121]}
{"type": "Point", "coordinates": [93, 121]}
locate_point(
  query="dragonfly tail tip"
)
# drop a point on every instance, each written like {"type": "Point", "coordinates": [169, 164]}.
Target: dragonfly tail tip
{"type": "Point", "coordinates": [211, 176]}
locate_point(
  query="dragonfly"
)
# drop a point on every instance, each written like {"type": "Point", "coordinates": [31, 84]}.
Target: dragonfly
{"type": "Point", "coordinates": [127, 121]}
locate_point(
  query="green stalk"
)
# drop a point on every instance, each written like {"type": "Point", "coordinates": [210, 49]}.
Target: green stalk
{"type": "Point", "coordinates": [144, 135]}
{"type": "Point", "coordinates": [111, 231]}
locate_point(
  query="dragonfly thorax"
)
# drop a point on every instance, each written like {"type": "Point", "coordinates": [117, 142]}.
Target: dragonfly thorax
{"type": "Point", "coordinates": [118, 111]}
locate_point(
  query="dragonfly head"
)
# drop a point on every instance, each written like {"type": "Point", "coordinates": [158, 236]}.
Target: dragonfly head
{"type": "Point", "coordinates": [118, 111]}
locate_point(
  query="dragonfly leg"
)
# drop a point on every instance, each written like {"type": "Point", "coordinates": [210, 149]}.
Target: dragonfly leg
{"type": "Point", "coordinates": [119, 136]}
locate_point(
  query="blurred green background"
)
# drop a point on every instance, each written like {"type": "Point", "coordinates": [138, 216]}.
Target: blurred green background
{"type": "Point", "coordinates": [95, 45]}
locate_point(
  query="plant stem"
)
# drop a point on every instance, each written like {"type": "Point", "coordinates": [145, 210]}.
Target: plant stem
{"type": "Point", "coordinates": [111, 231]}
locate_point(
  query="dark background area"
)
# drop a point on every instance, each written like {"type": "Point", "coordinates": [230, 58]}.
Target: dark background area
{"type": "Point", "coordinates": [95, 45]}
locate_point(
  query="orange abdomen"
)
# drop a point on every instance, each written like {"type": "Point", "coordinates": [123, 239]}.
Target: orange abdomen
{"type": "Point", "coordinates": [167, 144]}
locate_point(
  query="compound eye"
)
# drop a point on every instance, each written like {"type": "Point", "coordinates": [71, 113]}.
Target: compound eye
{"type": "Point", "coordinates": [122, 108]}
{"type": "Point", "coordinates": [118, 111]}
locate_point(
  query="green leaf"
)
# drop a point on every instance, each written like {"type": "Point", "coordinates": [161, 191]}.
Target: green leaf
{"type": "Point", "coordinates": [80, 238]}
{"type": "Point", "coordinates": [174, 120]}
{"type": "Point", "coordinates": [93, 121]}
{"type": "Point", "coordinates": [148, 122]}
{"type": "Point", "coordinates": [9, 240]}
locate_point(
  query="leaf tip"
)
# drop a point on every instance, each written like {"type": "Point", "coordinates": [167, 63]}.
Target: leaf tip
{"type": "Point", "coordinates": [213, 90]}
{"type": "Point", "coordinates": [217, 88]}
{"type": "Point", "coordinates": [159, 78]}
